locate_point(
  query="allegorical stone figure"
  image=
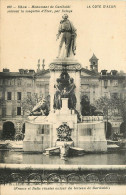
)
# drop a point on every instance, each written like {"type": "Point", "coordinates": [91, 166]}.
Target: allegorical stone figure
{"type": "Point", "coordinates": [57, 96]}
{"type": "Point", "coordinates": [72, 98]}
{"type": "Point", "coordinates": [68, 37]}
{"type": "Point", "coordinates": [63, 91]}
{"type": "Point", "coordinates": [41, 108]}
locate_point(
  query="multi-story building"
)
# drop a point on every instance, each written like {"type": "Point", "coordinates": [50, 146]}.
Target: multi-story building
{"type": "Point", "coordinates": [17, 87]}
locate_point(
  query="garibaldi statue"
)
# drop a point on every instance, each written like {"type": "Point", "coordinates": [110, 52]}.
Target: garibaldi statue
{"type": "Point", "coordinates": [68, 37]}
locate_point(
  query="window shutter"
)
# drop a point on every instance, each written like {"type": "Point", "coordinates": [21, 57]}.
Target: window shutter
{"type": "Point", "coordinates": [5, 95]}
{"type": "Point", "coordinates": [15, 111]}
{"type": "Point", "coordinates": [21, 111]}
{"type": "Point", "coordinates": [12, 95]}
{"type": "Point", "coordinates": [15, 95]}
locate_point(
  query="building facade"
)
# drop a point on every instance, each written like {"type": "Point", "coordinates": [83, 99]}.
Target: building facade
{"type": "Point", "coordinates": [20, 89]}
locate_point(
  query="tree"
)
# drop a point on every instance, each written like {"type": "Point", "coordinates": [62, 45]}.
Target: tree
{"type": "Point", "coordinates": [28, 103]}
{"type": "Point", "coordinates": [86, 108]}
{"type": "Point", "coordinates": [123, 108]}
{"type": "Point", "coordinates": [104, 104]}
{"type": "Point", "coordinates": [123, 114]}
{"type": "Point", "coordinates": [113, 106]}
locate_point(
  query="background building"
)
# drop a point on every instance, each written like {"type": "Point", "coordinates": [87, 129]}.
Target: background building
{"type": "Point", "coordinates": [19, 91]}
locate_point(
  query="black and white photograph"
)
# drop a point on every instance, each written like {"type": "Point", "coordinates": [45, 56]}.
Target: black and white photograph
{"type": "Point", "coordinates": [63, 97]}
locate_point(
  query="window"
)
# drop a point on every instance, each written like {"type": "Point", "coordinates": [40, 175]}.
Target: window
{"type": "Point", "coordinates": [115, 83]}
{"type": "Point", "coordinates": [36, 95]}
{"type": "Point", "coordinates": [9, 95]}
{"type": "Point", "coordinates": [106, 94]}
{"type": "Point", "coordinates": [1, 81]}
{"type": "Point", "coordinates": [105, 83]}
{"type": "Point", "coordinates": [3, 111]}
{"type": "Point", "coordinates": [1, 95]}
{"type": "Point", "coordinates": [89, 132]}
{"type": "Point", "coordinates": [18, 95]}
{"type": "Point", "coordinates": [6, 81]}
{"type": "Point", "coordinates": [29, 84]}
{"type": "Point", "coordinates": [18, 110]}
{"type": "Point", "coordinates": [11, 82]}
{"type": "Point", "coordinates": [87, 94]}
{"type": "Point", "coordinates": [29, 94]}
{"type": "Point", "coordinates": [115, 95]}
{"type": "Point", "coordinates": [19, 82]}
{"type": "Point", "coordinates": [42, 130]}
{"type": "Point", "coordinates": [93, 89]}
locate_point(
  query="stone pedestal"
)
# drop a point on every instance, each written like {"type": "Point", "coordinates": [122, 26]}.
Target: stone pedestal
{"type": "Point", "coordinates": [62, 116]}
{"type": "Point", "coordinates": [37, 135]}
{"type": "Point", "coordinates": [64, 108]}
{"type": "Point", "coordinates": [91, 136]}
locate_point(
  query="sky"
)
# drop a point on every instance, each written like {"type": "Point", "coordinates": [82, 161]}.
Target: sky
{"type": "Point", "coordinates": [27, 37]}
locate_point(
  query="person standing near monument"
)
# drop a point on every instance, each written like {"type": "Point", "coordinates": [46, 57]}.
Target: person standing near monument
{"type": "Point", "coordinates": [68, 36]}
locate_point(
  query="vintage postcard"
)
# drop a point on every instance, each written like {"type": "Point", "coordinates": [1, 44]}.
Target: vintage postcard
{"type": "Point", "coordinates": [63, 97]}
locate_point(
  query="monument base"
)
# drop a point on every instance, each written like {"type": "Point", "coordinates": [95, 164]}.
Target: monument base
{"type": "Point", "coordinates": [37, 135]}
{"type": "Point", "coordinates": [93, 146]}
{"type": "Point", "coordinates": [41, 132]}
{"type": "Point", "coordinates": [69, 64]}
{"type": "Point", "coordinates": [33, 146]}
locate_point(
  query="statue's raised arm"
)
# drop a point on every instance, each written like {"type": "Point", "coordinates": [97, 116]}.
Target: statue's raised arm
{"type": "Point", "coordinates": [67, 33]}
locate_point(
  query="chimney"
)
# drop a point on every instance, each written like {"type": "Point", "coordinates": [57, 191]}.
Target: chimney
{"type": "Point", "coordinates": [21, 71]}
{"type": "Point", "coordinates": [114, 72]}
{"type": "Point", "coordinates": [6, 70]}
{"type": "Point", "coordinates": [25, 71]}
{"type": "Point", "coordinates": [43, 64]}
{"type": "Point", "coordinates": [38, 69]}
{"type": "Point", "coordinates": [31, 71]}
{"type": "Point", "coordinates": [103, 72]}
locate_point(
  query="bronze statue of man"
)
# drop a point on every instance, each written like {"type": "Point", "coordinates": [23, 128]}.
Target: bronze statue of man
{"type": "Point", "coordinates": [68, 36]}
